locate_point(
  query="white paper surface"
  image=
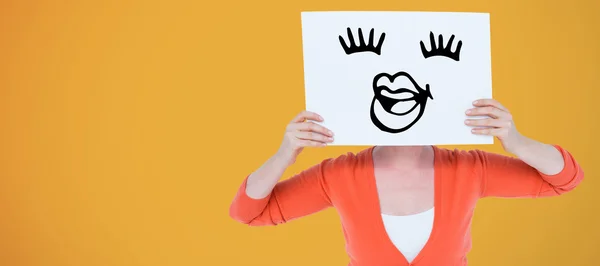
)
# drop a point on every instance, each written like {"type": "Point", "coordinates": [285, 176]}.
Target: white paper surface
{"type": "Point", "coordinates": [340, 86]}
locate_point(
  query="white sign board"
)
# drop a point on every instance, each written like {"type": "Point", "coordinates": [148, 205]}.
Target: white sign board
{"type": "Point", "coordinates": [396, 78]}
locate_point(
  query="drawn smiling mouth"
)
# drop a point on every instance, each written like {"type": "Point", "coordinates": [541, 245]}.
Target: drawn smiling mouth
{"type": "Point", "coordinates": [396, 100]}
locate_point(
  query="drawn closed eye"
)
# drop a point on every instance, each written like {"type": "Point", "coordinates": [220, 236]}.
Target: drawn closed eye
{"type": "Point", "coordinates": [440, 50]}
{"type": "Point", "coordinates": [362, 46]}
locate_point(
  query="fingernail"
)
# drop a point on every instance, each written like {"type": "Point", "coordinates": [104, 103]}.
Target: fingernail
{"type": "Point", "coordinates": [330, 139]}
{"type": "Point", "coordinates": [475, 102]}
{"type": "Point", "coordinates": [469, 111]}
{"type": "Point", "coordinates": [467, 122]}
{"type": "Point", "coordinates": [330, 133]}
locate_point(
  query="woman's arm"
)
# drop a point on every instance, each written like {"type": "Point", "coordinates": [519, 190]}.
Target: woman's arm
{"type": "Point", "coordinates": [530, 177]}
{"type": "Point", "coordinates": [545, 158]}
{"type": "Point", "coordinates": [302, 194]}
{"type": "Point", "coordinates": [260, 183]}
{"type": "Point", "coordinates": [263, 200]}
{"type": "Point", "coordinates": [539, 169]}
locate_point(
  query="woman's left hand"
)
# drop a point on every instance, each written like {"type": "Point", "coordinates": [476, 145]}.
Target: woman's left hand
{"type": "Point", "coordinates": [499, 123]}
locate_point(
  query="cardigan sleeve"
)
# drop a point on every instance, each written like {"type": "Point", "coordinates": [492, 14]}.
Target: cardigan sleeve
{"type": "Point", "coordinates": [302, 194]}
{"type": "Point", "coordinates": [508, 177]}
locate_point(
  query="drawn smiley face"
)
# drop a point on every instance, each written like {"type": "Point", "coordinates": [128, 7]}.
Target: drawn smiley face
{"type": "Point", "coordinates": [399, 101]}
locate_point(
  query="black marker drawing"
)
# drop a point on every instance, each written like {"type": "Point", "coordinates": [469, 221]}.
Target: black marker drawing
{"type": "Point", "coordinates": [386, 98]}
{"type": "Point", "coordinates": [362, 47]}
{"type": "Point", "coordinates": [399, 103]}
{"type": "Point", "coordinates": [440, 50]}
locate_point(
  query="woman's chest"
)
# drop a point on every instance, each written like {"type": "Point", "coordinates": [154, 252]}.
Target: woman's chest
{"type": "Point", "coordinates": [448, 195]}
{"type": "Point", "coordinates": [404, 193]}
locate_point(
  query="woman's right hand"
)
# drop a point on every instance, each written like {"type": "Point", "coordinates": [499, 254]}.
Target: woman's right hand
{"type": "Point", "coordinates": [302, 132]}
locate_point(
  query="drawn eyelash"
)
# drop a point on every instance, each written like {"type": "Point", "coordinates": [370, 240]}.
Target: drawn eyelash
{"type": "Point", "coordinates": [362, 47]}
{"type": "Point", "coordinates": [440, 50]}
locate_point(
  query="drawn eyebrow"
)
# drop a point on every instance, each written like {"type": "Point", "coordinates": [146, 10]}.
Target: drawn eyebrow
{"type": "Point", "coordinates": [440, 50]}
{"type": "Point", "coordinates": [362, 47]}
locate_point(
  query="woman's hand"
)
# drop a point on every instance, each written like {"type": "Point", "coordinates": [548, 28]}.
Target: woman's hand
{"type": "Point", "coordinates": [499, 124]}
{"type": "Point", "coordinates": [303, 132]}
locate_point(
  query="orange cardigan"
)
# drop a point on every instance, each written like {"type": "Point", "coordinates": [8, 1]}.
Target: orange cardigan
{"type": "Point", "coordinates": [347, 183]}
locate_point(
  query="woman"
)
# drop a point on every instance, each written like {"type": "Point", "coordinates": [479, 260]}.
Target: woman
{"type": "Point", "coordinates": [404, 205]}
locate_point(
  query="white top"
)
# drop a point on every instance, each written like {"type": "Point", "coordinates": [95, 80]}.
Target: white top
{"type": "Point", "coordinates": [409, 233]}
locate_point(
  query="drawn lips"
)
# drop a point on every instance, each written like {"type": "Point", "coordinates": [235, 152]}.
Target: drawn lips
{"type": "Point", "coordinates": [396, 97]}
{"type": "Point", "coordinates": [402, 100]}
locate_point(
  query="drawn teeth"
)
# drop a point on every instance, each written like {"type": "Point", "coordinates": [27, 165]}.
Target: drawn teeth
{"type": "Point", "coordinates": [403, 107]}
{"type": "Point", "coordinates": [398, 96]}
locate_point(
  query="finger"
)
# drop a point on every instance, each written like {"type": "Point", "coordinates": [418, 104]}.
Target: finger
{"type": "Point", "coordinates": [311, 126]}
{"type": "Point", "coordinates": [489, 122]}
{"type": "Point", "coordinates": [488, 131]}
{"type": "Point", "coordinates": [489, 111]}
{"type": "Point", "coordinates": [310, 143]}
{"type": "Point", "coordinates": [313, 136]}
{"type": "Point", "coordinates": [307, 115]}
{"type": "Point", "coordinates": [489, 102]}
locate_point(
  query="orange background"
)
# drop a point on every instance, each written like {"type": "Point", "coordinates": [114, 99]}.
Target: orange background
{"type": "Point", "coordinates": [126, 128]}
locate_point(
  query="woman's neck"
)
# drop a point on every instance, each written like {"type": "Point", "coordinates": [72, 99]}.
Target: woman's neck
{"type": "Point", "coordinates": [403, 157]}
